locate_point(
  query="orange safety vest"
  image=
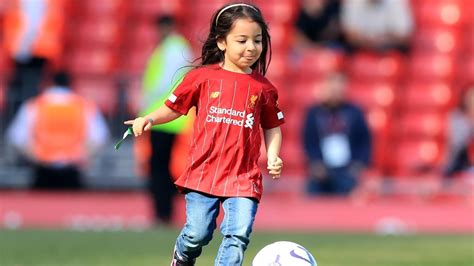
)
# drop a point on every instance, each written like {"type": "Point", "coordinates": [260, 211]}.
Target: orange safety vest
{"type": "Point", "coordinates": [48, 43]}
{"type": "Point", "coordinates": [59, 130]}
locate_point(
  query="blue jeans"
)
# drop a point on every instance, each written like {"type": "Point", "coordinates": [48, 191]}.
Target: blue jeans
{"type": "Point", "coordinates": [201, 214]}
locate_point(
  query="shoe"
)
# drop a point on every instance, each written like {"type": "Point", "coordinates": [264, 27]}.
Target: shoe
{"type": "Point", "coordinates": [177, 261]}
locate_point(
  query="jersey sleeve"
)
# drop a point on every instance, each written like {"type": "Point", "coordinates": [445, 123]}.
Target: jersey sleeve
{"type": "Point", "coordinates": [271, 115]}
{"type": "Point", "coordinates": [185, 94]}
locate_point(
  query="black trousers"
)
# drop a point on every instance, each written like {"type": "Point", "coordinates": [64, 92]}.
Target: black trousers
{"type": "Point", "coordinates": [52, 178]}
{"type": "Point", "coordinates": [161, 187]}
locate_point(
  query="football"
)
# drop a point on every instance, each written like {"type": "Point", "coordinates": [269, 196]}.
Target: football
{"type": "Point", "coordinates": [284, 253]}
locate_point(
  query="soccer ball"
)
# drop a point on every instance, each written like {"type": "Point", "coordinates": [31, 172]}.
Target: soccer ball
{"type": "Point", "coordinates": [284, 253]}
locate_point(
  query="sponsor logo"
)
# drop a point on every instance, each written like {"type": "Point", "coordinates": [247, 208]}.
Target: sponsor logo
{"type": "Point", "coordinates": [230, 116]}
{"type": "Point", "coordinates": [226, 116]}
{"type": "Point", "coordinates": [226, 111]}
{"type": "Point", "coordinates": [215, 94]}
{"type": "Point", "coordinates": [249, 120]}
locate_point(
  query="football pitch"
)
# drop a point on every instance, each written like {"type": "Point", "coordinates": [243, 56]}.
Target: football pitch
{"type": "Point", "coordinates": [154, 247]}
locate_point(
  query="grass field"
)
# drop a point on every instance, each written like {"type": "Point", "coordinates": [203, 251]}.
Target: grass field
{"type": "Point", "coordinates": [41, 247]}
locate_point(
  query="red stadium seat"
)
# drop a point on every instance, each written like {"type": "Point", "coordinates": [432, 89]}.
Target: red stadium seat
{"type": "Point", "coordinates": [468, 9]}
{"type": "Point", "coordinates": [437, 40]}
{"type": "Point", "coordinates": [294, 158]}
{"type": "Point", "coordinates": [369, 95]}
{"type": "Point", "coordinates": [102, 91]}
{"type": "Point", "coordinates": [427, 96]}
{"type": "Point", "coordinates": [315, 63]}
{"type": "Point", "coordinates": [468, 40]}
{"type": "Point", "coordinates": [73, 10]}
{"type": "Point", "coordinates": [381, 150]}
{"type": "Point", "coordinates": [98, 32]}
{"type": "Point", "coordinates": [305, 93]}
{"type": "Point", "coordinates": [85, 61]}
{"type": "Point", "coordinates": [142, 34]}
{"type": "Point", "coordinates": [277, 74]}
{"type": "Point", "coordinates": [141, 40]}
{"type": "Point", "coordinates": [278, 12]}
{"type": "Point", "coordinates": [466, 70]}
{"type": "Point", "coordinates": [116, 9]}
{"type": "Point", "coordinates": [278, 66]}
{"type": "Point", "coordinates": [3, 6]}
{"type": "Point", "coordinates": [294, 122]}
{"type": "Point", "coordinates": [135, 62]}
{"type": "Point", "coordinates": [412, 157]}
{"type": "Point", "coordinates": [373, 67]}
{"type": "Point", "coordinates": [203, 11]}
{"type": "Point", "coordinates": [440, 12]}
{"type": "Point", "coordinates": [281, 36]}
{"type": "Point", "coordinates": [421, 125]}
{"type": "Point", "coordinates": [133, 96]}
{"type": "Point", "coordinates": [432, 67]}
{"type": "Point", "coordinates": [379, 121]}
{"type": "Point", "coordinates": [153, 8]}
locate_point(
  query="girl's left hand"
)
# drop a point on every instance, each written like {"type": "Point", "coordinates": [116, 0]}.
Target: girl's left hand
{"type": "Point", "coordinates": [274, 166]}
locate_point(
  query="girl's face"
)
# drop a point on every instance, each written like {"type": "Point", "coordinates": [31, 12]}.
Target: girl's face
{"type": "Point", "coordinates": [242, 46]}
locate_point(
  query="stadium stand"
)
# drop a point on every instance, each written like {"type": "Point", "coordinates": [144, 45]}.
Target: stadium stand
{"type": "Point", "coordinates": [405, 98]}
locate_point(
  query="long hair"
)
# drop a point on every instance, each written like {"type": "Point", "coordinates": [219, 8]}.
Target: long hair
{"type": "Point", "coordinates": [220, 26]}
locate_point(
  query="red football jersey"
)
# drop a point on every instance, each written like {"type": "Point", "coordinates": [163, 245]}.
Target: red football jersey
{"type": "Point", "coordinates": [230, 110]}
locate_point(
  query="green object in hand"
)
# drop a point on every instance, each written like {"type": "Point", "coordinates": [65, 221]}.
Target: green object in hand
{"type": "Point", "coordinates": [125, 135]}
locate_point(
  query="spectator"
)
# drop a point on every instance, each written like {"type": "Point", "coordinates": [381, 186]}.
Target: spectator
{"type": "Point", "coordinates": [164, 68]}
{"type": "Point", "coordinates": [377, 24]}
{"type": "Point", "coordinates": [32, 38]}
{"type": "Point", "coordinates": [337, 141]}
{"type": "Point", "coordinates": [460, 135]}
{"type": "Point", "coordinates": [57, 131]}
{"type": "Point", "coordinates": [318, 24]}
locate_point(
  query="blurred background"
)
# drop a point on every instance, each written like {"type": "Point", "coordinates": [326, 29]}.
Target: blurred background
{"type": "Point", "coordinates": [407, 65]}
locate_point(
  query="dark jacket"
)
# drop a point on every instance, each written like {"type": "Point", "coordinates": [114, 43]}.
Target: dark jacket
{"type": "Point", "coordinates": [346, 119]}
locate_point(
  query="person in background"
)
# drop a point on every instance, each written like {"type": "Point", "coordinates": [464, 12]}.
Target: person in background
{"type": "Point", "coordinates": [378, 25]}
{"type": "Point", "coordinates": [165, 67]}
{"type": "Point", "coordinates": [58, 131]}
{"type": "Point", "coordinates": [460, 135]}
{"type": "Point", "coordinates": [318, 24]}
{"type": "Point", "coordinates": [337, 141]}
{"type": "Point", "coordinates": [32, 38]}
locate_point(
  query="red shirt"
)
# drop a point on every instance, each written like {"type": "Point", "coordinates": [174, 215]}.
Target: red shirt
{"type": "Point", "coordinates": [230, 110]}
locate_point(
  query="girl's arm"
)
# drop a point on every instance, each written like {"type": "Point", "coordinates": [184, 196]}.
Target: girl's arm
{"type": "Point", "coordinates": [162, 115]}
{"type": "Point", "coordinates": [273, 139]}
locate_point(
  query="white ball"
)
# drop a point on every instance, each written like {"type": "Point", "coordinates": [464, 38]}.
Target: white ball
{"type": "Point", "coordinates": [284, 253]}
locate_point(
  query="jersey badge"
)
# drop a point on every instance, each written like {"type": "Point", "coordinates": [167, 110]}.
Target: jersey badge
{"type": "Point", "coordinates": [253, 101]}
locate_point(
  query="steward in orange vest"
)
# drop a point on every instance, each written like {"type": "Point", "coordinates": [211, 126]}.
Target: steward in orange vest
{"type": "Point", "coordinates": [57, 131]}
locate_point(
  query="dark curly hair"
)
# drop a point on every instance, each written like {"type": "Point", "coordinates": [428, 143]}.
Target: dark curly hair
{"type": "Point", "coordinates": [220, 28]}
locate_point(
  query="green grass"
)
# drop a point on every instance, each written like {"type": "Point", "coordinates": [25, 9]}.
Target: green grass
{"type": "Point", "coordinates": [154, 247]}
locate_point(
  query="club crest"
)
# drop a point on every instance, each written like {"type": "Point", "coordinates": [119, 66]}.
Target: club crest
{"type": "Point", "coordinates": [253, 101]}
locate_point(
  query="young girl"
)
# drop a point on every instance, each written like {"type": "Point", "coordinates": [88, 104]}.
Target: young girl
{"type": "Point", "coordinates": [233, 100]}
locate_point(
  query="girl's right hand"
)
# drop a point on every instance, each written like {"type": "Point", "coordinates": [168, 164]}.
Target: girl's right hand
{"type": "Point", "coordinates": [139, 125]}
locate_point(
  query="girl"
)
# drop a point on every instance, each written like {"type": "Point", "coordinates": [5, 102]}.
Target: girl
{"type": "Point", "coordinates": [233, 100]}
